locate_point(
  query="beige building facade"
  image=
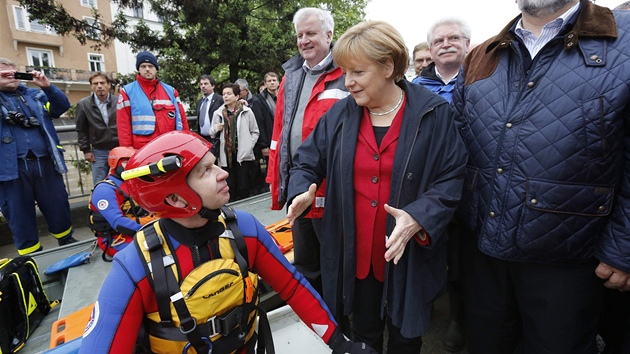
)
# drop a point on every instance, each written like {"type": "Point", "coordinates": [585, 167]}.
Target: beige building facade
{"type": "Point", "coordinates": [67, 63]}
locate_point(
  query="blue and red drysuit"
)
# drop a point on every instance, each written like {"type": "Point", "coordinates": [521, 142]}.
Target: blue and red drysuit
{"type": "Point", "coordinates": [126, 296]}
{"type": "Point", "coordinates": [108, 200]}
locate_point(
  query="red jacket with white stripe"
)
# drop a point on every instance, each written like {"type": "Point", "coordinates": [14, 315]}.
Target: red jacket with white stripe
{"type": "Point", "coordinates": [163, 108]}
{"type": "Point", "coordinates": [328, 89]}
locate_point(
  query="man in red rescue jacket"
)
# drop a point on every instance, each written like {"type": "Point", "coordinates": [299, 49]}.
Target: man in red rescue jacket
{"type": "Point", "coordinates": [148, 107]}
{"type": "Point", "coordinates": [312, 83]}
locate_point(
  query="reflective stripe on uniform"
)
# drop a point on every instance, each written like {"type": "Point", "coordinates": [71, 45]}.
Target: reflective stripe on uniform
{"type": "Point", "coordinates": [29, 249]}
{"type": "Point", "coordinates": [62, 234]}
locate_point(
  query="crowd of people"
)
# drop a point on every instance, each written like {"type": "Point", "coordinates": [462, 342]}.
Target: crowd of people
{"type": "Point", "coordinates": [499, 174]}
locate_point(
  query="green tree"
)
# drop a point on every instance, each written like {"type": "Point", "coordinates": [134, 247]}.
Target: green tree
{"type": "Point", "coordinates": [227, 38]}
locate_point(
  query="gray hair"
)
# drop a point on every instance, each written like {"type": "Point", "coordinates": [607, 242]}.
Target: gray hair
{"type": "Point", "coordinates": [7, 62]}
{"type": "Point", "coordinates": [328, 24]}
{"type": "Point", "coordinates": [243, 83]}
{"type": "Point", "coordinates": [463, 27]}
{"type": "Point", "coordinates": [623, 6]}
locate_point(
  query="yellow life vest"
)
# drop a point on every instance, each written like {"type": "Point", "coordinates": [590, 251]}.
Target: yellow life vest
{"type": "Point", "coordinates": [216, 304]}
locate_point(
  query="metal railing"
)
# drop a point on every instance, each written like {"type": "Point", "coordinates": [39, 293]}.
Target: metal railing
{"type": "Point", "coordinates": [64, 74]}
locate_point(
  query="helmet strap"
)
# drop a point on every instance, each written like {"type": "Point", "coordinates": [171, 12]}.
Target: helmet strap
{"type": "Point", "coordinates": [212, 215]}
{"type": "Point", "coordinates": [118, 171]}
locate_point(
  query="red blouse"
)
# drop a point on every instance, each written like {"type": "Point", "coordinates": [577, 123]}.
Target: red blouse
{"type": "Point", "coordinates": [373, 166]}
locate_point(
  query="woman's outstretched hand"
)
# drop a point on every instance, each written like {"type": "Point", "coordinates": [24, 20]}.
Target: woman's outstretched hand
{"type": "Point", "coordinates": [301, 203]}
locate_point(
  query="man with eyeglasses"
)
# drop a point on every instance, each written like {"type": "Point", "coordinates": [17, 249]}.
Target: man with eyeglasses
{"type": "Point", "coordinates": [148, 107]}
{"type": "Point", "coordinates": [421, 58]}
{"type": "Point", "coordinates": [448, 40]}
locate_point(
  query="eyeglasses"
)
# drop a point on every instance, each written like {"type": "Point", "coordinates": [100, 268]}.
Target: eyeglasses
{"type": "Point", "coordinates": [438, 42]}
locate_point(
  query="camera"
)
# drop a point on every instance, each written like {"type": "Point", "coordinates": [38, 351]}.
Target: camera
{"type": "Point", "coordinates": [23, 76]}
{"type": "Point", "coordinates": [17, 118]}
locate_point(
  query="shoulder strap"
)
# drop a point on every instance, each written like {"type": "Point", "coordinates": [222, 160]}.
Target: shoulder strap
{"type": "Point", "coordinates": [229, 216]}
{"type": "Point", "coordinates": [108, 181]}
{"type": "Point", "coordinates": [240, 250]}
{"type": "Point", "coordinates": [167, 290]}
{"type": "Point", "coordinates": [132, 203]}
{"type": "Point", "coordinates": [241, 256]}
{"type": "Point", "coordinates": [265, 337]}
{"type": "Point", "coordinates": [153, 244]}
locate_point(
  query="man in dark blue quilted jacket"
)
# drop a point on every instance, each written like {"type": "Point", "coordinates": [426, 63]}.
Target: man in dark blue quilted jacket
{"type": "Point", "coordinates": [544, 109]}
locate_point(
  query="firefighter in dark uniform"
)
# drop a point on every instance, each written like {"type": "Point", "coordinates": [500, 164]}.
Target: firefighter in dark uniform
{"type": "Point", "coordinates": [31, 159]}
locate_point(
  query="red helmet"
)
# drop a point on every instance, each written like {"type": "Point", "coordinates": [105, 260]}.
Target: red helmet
{"type": "Point", "coordinates": [119, 153]}
{"type": "Point", "coordinates": [151, 191]}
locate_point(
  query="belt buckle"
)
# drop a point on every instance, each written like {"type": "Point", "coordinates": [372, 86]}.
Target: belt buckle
{"type": "Point", "coordinates": [213, 326]}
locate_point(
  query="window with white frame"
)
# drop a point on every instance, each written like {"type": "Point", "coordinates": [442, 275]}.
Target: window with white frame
{"type": "Point", "coordinates": [92, 30]}
{"type": "Point", "coordinates": [24, 23]}
{"type": "Point", "coordinates": [42, 60]}
{"type": "Point", "coordinates": [97, 62]}
{"type": "Point", "coordinates": [40, 57]}
{"type": "Point", "coordinates": [138, 10]}
{"type": "Point", "coordinates": [89, 3]}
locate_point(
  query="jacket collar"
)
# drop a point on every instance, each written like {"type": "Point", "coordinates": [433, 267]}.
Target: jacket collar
{"type": "Point", "coordinates": [415, 107]}
{"type": "Point", "coordinates": [593, 22]}
{"type": "Point", "coordinates": [147, 84]}
{"type": "Point", "coordinates": [297, 61]}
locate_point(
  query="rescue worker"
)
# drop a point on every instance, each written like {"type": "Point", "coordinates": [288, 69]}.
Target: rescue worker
{"type": "Point", "coordinates": [196, 310]}
{"type": "Point", "coordinates": [148, 107]}
{"type": "Point", "coordinates": [32, 159]}
{"type": "Point", "coordinates": [114, 216]}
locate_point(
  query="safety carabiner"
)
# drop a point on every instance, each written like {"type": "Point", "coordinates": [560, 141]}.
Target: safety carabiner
{"type": "Point", "coordinates": [205, 339]}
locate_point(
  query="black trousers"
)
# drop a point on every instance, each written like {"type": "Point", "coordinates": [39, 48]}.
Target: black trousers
{"type": "Point", "coordinates": [306, 250]}
{"type": "Point", "coordinates": [455, 285]}
{"type": "Point", "coordinates": [367, 325]}
{"type": "Point", "coordinates": [240, 179]}
{"type": "Point", "coordinates": [614, 326]}
{"type": "Point", "coordinates": [530, 308]}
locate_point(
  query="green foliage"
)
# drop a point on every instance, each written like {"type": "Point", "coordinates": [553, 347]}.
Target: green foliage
{"type": "Point", "coordinates": [70, 113]}
{"type": "Point", "coordinates": [84, 168]}
{"type": "Point", "coordinates": [181, 72]}
{"type": "Point", "coordinates": [229, 39]}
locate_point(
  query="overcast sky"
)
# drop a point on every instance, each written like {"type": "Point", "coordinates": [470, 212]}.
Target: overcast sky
{"type": "Point", "coordinates": [413, 17]}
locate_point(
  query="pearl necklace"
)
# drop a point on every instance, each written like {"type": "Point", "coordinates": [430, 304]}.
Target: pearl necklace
{"type": "Point", "coordinates": [378, 114]}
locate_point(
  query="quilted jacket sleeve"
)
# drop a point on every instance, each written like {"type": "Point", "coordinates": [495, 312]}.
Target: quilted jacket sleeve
{"type": "Point", "coordinates": [614, 246]}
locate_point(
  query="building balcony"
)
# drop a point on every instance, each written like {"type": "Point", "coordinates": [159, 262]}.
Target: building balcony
{"type": "Point", "coordinates": [32, 37]}
{"type": "Point", "coordinates": [64, 78]}
{"type": "Point", "coordinates": [64, 74]}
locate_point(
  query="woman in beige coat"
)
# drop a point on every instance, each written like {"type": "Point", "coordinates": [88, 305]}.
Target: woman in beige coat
{"type": "Point", "coordinates": [236, 126]}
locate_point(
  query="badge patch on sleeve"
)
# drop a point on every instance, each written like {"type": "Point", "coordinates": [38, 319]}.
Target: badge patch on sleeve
{"type": "Point", "coordinates": [92, 321]}
{"type": "Point", "coordinates": [102, 204]}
